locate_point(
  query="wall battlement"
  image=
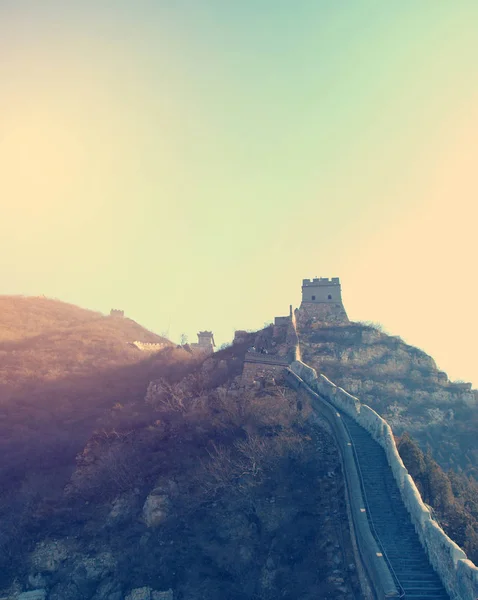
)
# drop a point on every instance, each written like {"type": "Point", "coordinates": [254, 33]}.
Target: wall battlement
{"type": "Point", "coordinates": [114, 312]}
{"type": "Point", "coordinates": [150, 346]}
{"type": "Point", "coordinates": [319, 281]}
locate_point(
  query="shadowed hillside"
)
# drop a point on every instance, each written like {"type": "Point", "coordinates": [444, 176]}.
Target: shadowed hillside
{"type": "Point", "coordinates": [183, 479]}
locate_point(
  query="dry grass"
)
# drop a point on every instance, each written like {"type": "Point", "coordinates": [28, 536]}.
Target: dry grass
{"type": "Point", "coordinates": [61, 368]}
{"type": "Point", "coordinates": [44, 340]}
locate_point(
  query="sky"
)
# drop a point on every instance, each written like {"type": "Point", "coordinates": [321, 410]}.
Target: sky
{"type": "Point", "coordinates": [191, 162]}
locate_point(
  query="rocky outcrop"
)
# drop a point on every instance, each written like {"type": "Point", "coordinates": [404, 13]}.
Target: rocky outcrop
{"type": "Point", "coordinates": [156, 508]}
{"type": "Point", "coordinates": [400, 382]}
{"type": "Point", "coordinates": [33, 595]}
{"type": "Point", "coordinates": [49, 555]}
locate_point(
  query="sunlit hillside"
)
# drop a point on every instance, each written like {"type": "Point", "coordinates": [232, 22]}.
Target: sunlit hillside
{"type": "Point", "coordinates": [26, 316]}
{"type": "Point", "coordinates": [62, 368]}
{"type": "Point", "coordinates": [44, 339]}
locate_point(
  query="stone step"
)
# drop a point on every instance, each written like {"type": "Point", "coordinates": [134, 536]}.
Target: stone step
{"type": "Point", "coordinates": [391, 519]}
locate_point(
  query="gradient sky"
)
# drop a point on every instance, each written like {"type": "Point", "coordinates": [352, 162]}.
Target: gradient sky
{"type": "Point", "coordinates": [192, 161]}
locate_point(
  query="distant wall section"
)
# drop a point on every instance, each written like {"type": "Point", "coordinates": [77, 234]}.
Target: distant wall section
{"type": "Point", "coordinates": [150, 346]}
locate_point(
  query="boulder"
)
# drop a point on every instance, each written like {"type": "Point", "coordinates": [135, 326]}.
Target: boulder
{"type": "Point", "coordinates": [147, 593]}
{"type": "Point", "coordinates": [94, 568]}
{"type": "Point", "coordinates": [33, 595]}
{"type": "Point", "coordinates": [143, 593]}
{"type": "Point", "coordinates": [122, 508]}
{"type": "Point", "coordinates": [109, 589]}
{"type": "Point", "coordinates": [37, 581]}
{"type": "Point", "coordinates": [156, 508]}
{"type": "Point", "coordinates": [48, 556]}
{"type": "Point", "coordinates": [168, 595]}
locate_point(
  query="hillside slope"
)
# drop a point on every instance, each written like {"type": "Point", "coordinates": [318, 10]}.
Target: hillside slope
{"type": "Point", "coordinates": [402, 383]}
{"type": "Point", "coordinates": [43, 339]}
{"type": "Point", "coordinates": [61, 368]}
{"type": "Point", "coordinates": [191, 484]}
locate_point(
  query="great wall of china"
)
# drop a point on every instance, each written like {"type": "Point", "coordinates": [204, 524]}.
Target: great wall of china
{"type": "Point", "coordinates": [401, 548]}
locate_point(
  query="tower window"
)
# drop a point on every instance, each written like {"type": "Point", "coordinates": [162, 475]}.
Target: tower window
{"type": "Point", "coordinates": [329, 297]}
{"type": "Point", "coordinates": [313, 297]}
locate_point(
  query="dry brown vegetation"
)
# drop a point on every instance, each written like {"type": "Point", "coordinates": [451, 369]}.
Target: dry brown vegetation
{"type": "Point", "coordinates": [46, 340]}
{"type": "Point", "coordinates": [216, 441]}
{"type": "Point", "coordinates": [453, 497]}
{"type": "Point", "coordinates": [67, 373]}
{"type": "Point", "coordinates": [61, 368]}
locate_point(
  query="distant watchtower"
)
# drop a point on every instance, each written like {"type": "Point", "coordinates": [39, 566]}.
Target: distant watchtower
{"type": "Point", "coordinates": [206, 340]}
{"type": "Point", "coordinates": [114, 312]}
{"type": "Point", "coordinates": [322, 301]}
{"type": "Point", "coordinates": [321, 289]}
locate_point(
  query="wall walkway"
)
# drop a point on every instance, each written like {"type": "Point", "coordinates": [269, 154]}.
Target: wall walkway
{"type": "Point", "coordinates": [401, 524]}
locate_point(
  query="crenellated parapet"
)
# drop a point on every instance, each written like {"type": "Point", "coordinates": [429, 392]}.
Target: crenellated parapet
{"type": "Point", "coordinates": [321, 281]}
{"type": "Point", "coordinates": [150, 346]}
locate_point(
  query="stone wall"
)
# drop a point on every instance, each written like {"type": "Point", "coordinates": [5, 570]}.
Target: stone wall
{"type": "Point", "coordinates": [280, 321]}
{"type": "Point", "coordinates": [332, 313]}
{"type": "Point", "coordinates": [253, 371]}
{"type": "Point", "coordinates": [202, 348]}
{"type": "Point", "coordinates": [150, 346]}
{"type": "Point", "coordinates": [258, 366]}
{"type": "Point", "coordinates": [458, 574]}
{"type": "Point", "coordinates": [321, 291]}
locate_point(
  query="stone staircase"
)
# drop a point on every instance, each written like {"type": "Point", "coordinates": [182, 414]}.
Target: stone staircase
{"type": "Point", "coordinates": [390, 521]}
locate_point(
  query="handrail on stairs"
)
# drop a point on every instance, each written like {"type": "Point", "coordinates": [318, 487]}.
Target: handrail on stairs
{"type": "Point", "coordinates": [369, 514]}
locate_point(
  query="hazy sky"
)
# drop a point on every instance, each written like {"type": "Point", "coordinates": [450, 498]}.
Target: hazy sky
{"type": "Point", "coordinates": [192, 161]}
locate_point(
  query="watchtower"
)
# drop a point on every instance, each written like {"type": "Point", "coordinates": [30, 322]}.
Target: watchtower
{"type": "Point", "coordinates": [322, 301]}
{"type": "Point", "coordinates": [114, 312]}
{"type": "Point", "coordinates": [206, 340]}
{"type": "Point", "coordinates": [322, 290]}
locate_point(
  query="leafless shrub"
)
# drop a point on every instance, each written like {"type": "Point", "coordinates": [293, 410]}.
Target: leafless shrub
{"type": "Point", "coordinates": [218, 472]}
{"type": "Point", "coordinates": [178, 397]}
{"type": "Point", "coordinates": [165, 396]}
{"type": "Point", "coordinates": [243, 465]}
{"type": "Point", "coordinates": [275, 408]}
{"type": "Point", "coordinates": [114, 468]}
{"type": "Point", "coordinates": [254, 453]}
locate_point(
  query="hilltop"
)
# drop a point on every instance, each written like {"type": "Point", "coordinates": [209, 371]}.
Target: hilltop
{"type": "Point", "coordinates": [43, 339]}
